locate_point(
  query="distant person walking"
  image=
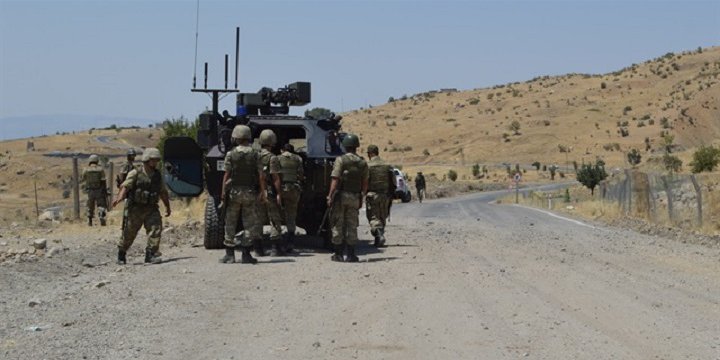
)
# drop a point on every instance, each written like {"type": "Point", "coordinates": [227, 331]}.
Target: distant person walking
{"type": "Point", "coordinates": [420, 186]}
{"type": "Point", "coordinates": [125, 169]}
{"type": "Point", "coordinates": [95, 185]}
{"type": "Point", "coordinates": [381, 186]}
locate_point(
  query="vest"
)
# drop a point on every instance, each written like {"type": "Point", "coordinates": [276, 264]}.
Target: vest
{"type": "Point", "coordinates": [379, 176]}
{"type": "Point", "coordinates": [147, 187]}
{"type": "Point", "coordinates": [244, 163]}
{"type": "Point", "coordinates": [93, 177]}
{"type": "Point", "coordinates": [289, 164]}
{"type": "Point", "coordinates": [352, 169]}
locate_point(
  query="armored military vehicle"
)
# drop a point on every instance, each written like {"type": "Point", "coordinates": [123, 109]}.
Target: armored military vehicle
{"type": "Point", "coordinates": [194, 166]}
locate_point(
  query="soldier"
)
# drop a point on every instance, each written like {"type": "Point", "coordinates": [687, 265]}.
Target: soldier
{"type": "Point", "coordinates": [350, 182]}
{"type": "Point", "coordinates": [291, 176]}
{"type": "Point", "coordinates": [420, 185]}
{"type": "Point", "coordinates": [143, 187]}
{"type": "Point", "coordinates": [269, 212]}
{"type": "Point", "coordinates": [125, 169]}
{"type": "Point", "coordinates": [243, 175]}
{"type": "Point", "coordinates": [381, 186]}
{"type": "Point", "coordinates": [93, 176]}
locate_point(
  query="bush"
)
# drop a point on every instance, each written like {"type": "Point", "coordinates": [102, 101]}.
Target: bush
{"type": "Point", "coordinates": [591, 175]}
{"type": "Point", "coordinates": [536, 165]}
{"type": "Point", "coordinates": [634, 157]}
{"type": "Point", "coordinates": [476, 170]}
{"type": "Point", "coordinates": [177, 127]}
{"type": "Point", "coordinates": [706, 158]}
{"type": "Point", "coordinates": [426, 152]}
{"type": "Point", "coordinates": [452, 175]}
{"type": "Point", "coordinates": [672, 163]}
{"type": "Point", "coordinates": [515, 127]}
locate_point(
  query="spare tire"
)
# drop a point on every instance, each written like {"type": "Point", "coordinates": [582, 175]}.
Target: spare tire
{"type": "Point", "coordinates": [214, 226]}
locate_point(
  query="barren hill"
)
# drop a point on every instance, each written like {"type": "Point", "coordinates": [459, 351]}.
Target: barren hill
{"type": "Point", "coordinates": [575, 117]}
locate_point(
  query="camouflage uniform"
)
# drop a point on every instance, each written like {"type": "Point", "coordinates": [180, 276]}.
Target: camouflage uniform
{"type": "Point", "coordinates": [124, 171]}
{"type": "Point", "coordinates": [243, 164]}
{"type": "Point", "coordinates": [93, 177]}
{"type": "Point", "coordinates": [144, 190]}
{"type": "Point", "coordinates": [269, 213]}
{"type": "Point", "coordinates": [352, 170]}
{"type": "Point", "coordinates": [291, 172]}
{"type": "Point", "coordinates": [377, 201]}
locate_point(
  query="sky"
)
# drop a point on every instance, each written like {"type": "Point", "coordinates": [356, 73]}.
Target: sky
{"type": "Point", "coordinates": [132, 62]}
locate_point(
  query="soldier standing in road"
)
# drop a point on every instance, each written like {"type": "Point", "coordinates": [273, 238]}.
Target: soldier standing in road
{"type": "Point", "coordinates": [144, 188]}
{"type": "Point", "coordinates": [93, 176]}
{"type": "Point", "coordinates": [125, 169]}
{"type": "Point", "coordinates": [350, 182]}
{"type": "Point", "coordinates": [381, 186]}
{"type": "Point", "coordinates": [243, 175]}
{"type": "Point", "coordinates": [420, 185]}
{"type": "Point", "coordinates": [269, 212]}
{"type": "Point", "coordinates": [291, 176]}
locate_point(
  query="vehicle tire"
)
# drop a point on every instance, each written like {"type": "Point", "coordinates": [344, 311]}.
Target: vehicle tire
{"type": "Point", "coordinates": [407, 197]}
{"type": "Point", "coordinates": [214, 226]}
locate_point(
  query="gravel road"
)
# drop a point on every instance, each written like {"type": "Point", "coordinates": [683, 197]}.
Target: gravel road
{"type": "Point", "coordinates": [461, 279]}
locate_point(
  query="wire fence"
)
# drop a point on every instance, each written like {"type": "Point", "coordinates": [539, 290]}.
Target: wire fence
{"type": "Point", "coordinates": [682, 200]}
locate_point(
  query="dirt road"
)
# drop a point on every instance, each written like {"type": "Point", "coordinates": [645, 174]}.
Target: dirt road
{"type": "Point", "coordinates": [461, 279]}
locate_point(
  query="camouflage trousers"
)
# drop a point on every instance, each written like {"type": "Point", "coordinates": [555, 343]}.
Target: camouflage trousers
{"type": "Point", "coordinates": [344, 218]}
{"type": "Point", "coordinates": [241, 203]}
{"type": "Point", "coordinates": [290, 198]}
{"type": "Point", "coordinates": [270, 213]}
{"type": "Point", "coordinates": [137, 217]}
{"type": "Point", "coordinates": [96, 197]}
{"type": "Point", "coordinates": [376, 209]}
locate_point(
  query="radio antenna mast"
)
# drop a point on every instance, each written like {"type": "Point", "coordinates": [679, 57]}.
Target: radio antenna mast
{"type": "Point", "coordinates": [197, 27]}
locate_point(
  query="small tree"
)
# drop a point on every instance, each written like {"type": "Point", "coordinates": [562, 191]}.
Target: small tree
{"type": "Point", "coordinates": [672, 163]}
{"type": "Point", "coordinates": [452, 175]}
{"type": "Point", "coordinates": [476, 170]}
{"type": "Point", "coordinates": [515, 127]}
{"type": "Point", "coordinates": [706, 158]}
{"type": "Point", "coordinates": [536, 165]}
{"type": "Point", "coordinates": [552, 169]}
{"type": "Point", "coordinates": [668, 140]}
{"type": "Point", "coordinates": [634, 157]}
{"type": "Point", "coordinates": [591, 175]}
{"type": "Point", "coordinates": [177, 127]}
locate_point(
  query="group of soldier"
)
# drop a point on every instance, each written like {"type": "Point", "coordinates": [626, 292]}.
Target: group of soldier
{"type": "Point", "coordinates": [259, 187]}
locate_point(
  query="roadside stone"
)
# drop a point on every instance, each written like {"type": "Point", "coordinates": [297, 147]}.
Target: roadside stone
{"type": "Point", "coordinates": [53, 251]}
{"type": "Point", "coordinates": [34, 302]}
{"type": "Point", "coordinates": [39, 244]}
{"type": "Point", "coordinates": [3, 243]}
{"type": "Point", "coordinates": [101, 284]}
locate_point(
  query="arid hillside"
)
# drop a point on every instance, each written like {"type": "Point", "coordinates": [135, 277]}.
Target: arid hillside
{"type": "Point", "coordinates": [558, 119]}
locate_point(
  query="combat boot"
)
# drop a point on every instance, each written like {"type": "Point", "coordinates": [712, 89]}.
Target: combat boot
{"type": "Point", "coordinates": [278, 248]}
{"type": "Point", "coordinates": [258, 247]}
{"type": "Point", "coordinates": [89, 221]}
{"type": "Point", "coordinates": [151, 258]}
{"type": "Point", "coordinates": [121, 260]}
{"type": "Point", "coordinates": [103, 222]}
{"type": "Point", "coordinates": [338, 254]}
{"type": "Point", "coordinates": [351, 258]}
{"type": "Point", "coordinates": [381, 238]}
{"type": "Point", "coordinates": [290, 243]}
{"type": "Point", "coordinates": [246, 258]}
{"type": "Point", "coordinates": [374, 233]}
{"type": "Point", "coordinates": [229, 257]}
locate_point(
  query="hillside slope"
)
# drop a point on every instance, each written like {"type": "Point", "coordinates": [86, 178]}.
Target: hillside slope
{"type": "Point", "coordinates": [677, 94]}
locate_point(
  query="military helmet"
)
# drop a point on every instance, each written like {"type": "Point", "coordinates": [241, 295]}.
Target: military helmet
{"type": "Point", "coordinates": [241, 132]}
{"type": "Point", "coordinates": [131, 152]}
{"type": "Point", "coordinates": [373, 149]}
{"type": "Point", "coordinates": [351, 140]}
{"type": "Point", "coordinates": [268, 138]}
{"type": "Point", "coordinates": [151, 154]}
{"type": "Point", "coordinates": [93, 159]}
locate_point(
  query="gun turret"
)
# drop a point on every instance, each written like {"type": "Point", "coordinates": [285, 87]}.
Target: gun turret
{"type": "Point", "coordinates": [273, 102]}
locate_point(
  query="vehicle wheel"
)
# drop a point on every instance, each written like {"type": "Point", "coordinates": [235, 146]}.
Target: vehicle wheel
{"type": "Point", "coordinates": [214, 226]}
{"type": "Point", "coordinates": [407, 197]}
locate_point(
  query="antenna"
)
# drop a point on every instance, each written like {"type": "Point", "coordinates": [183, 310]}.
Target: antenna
{"type": "Point", "coordinates": [197, 29]}
{"type": "Point", "coordinates": [206, 69]}
{"type": "Point", "coordinates": [237, 53]}
{"type": "Point", "coordinates": [226, 70]}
